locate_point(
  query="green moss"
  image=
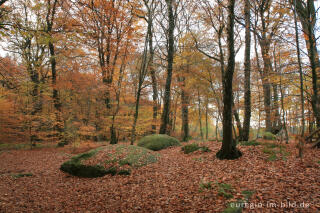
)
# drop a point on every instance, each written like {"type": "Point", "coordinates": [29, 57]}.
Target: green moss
{"type": "Point", "coordinates": [267, 151]}
{"type": "Point", "coordinates": [112, 171]}
{"type": "Point", "coordinates": [133, 156]}
{"type": "Point", "coordinates": [86, 155]}
{"type": "Point", "coordinates": [76, 168]}
{"type": "Point", "coordinates": [234, 207]}
{"type": "Point", "coordinates": [124, 172]}
{"type": "Point", "coordinates": [114, 156]}
{"type": "Point", "coordinates": [158, 142]}
{"type": "Point", "coordinates": [247, 194]}
{"type": "Point", "coordinates": [269, 136]}
{"type": "Point", "coordinates": [194, 147]}
{"type": "Point", "coordinates": [19, 175]}
{"type": "Point", "coordinates": [205, 185]}
{"type": "Point", "coordinates": [190, 148]}
{"type": "Point", "coordinates": [249, 143]}
{"type": "Point", "coordinates": [272, 157]}
{"type": "Point", "coordinates": [205, 149]}
{"type": "Point", "coordinates": [62, 144]}
{"type": "Point", "coordinates": [12, 146]}
{"type": "Point", "coordinates": [80, 170]}
{"type": "Point", "coordinates": [225, 190]}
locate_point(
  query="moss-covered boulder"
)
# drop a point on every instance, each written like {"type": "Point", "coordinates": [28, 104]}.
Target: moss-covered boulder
{"type": "Point", "coordinates": [111, 159]}
{"type": "Point", "coordinates": [158, 141]}
{"type": "Point", "coordinates": [189, 148]}
{"type": "Point", "coordinates": [269, 136]}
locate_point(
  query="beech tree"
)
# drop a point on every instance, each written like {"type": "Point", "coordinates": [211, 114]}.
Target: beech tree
{"type": "Point", "coordinates": [170, 55]}
{"type": "Point", "coordinates": [228, 149]}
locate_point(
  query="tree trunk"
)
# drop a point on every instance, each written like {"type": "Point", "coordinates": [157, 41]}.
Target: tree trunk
{"type": "Point", "coordinates": [267, 68]}
{"type": "Point", "coordinates": [217, 128]}
{"type": "Point", "coordinates": [135, 117]}
{"type": "Point", "coordinates": [141, 78]}
{"type": "Point", "coordinates": [59, 125]}
{"type": "Point", "coordinates": [276, 118]}
{"type": "Point", "coordinates": [184, 111]}
{"type": "Point", "coordinates": [307, 15]}
{"type": "Point", "coordinates": [199, 115]}
{"type": "Point", "coordinates": [167, 93]}
{"type": "Point", "coordinates": [247, 71]}
{"type": "Point", "coordinates": [238, 122]}
{"type": "Point", "coordinates": [281, 98]}
{"type": "Point", "coordinates": [207, 122]}
{"type": "Point", "coordinates": [228, 149]}
{"type": "Point", "coordinates": [152, 74]}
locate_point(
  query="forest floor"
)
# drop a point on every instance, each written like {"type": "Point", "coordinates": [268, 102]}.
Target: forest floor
{"type": "Point", "coordinates": [178, 182]}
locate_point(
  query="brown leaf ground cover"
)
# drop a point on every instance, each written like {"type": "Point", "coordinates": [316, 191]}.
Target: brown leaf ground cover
{"type": "Point", "coordinates": [176, 183]}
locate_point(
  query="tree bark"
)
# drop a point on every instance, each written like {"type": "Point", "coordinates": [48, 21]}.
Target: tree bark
{"type": "Point", "coordinates": [247, 72]}
{"type": "Point", "coordinates": [207, 119]}
{"type": "Point", "coordinates": [59, 125]}
{"type": "Point", "coordinates": [167, 93]}
{"type": "Point", "coordinates": [300, 70]}
{"type": "Point", "coordinates": [199, 115]}
{"type": "Point", "coordinates": [152, 72]}
{"type": "Point", "coordinates": [307, 16]}
{"type": "Point", "coordinates": [228, 149]}
{"type": "Point", "coordinates": [184, 111]}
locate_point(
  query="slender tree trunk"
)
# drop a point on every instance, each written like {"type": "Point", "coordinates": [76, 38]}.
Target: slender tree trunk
{"type": "Point", "coordinates": [228, 149]}
{"type": "Point", "coordinates": [199, 114]}
{"type": "Point", "coordinates": [276, 120]}
{"type": "Point", "coordinates": [207, 122]}
{"type": "Point", "coordinates": [238, 122]}
{"type": "Point", "coordinates": [247, 71]}
{"type": "Point", "coordinates": [282, 97]}
{"type": "Point", "coordinates": [259, 115]}
{"type": "Point", "coordinates": [135, 117]}
{"type": "Point", "coordinates": [141, 78]}
{"type": "Point", "coordinates": [152, 74]}
{"type": "Point", "coordinates": [174, 118]}
{"type": "Point", "coordinates": [167, 95]}
{"type": "Point", "coordinates": [217, 127]}
{"type": "Point", "coordinates": [300, 70]}
{"type": "Point", "coordinates": [184, 111]}
{"type": "Point", "coordinates": [266, 86]}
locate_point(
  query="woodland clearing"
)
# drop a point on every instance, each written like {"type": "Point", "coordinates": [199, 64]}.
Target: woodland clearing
{"type": "Point", "coordinates": [178, 182]}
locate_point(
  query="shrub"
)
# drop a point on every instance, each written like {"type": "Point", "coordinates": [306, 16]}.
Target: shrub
{"type": "Point", "coordinates": [190, 148]}
{"type": "Point", "coordinates": [269, 136]}
{"type": "Point", "coordinates": [158, 142]}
